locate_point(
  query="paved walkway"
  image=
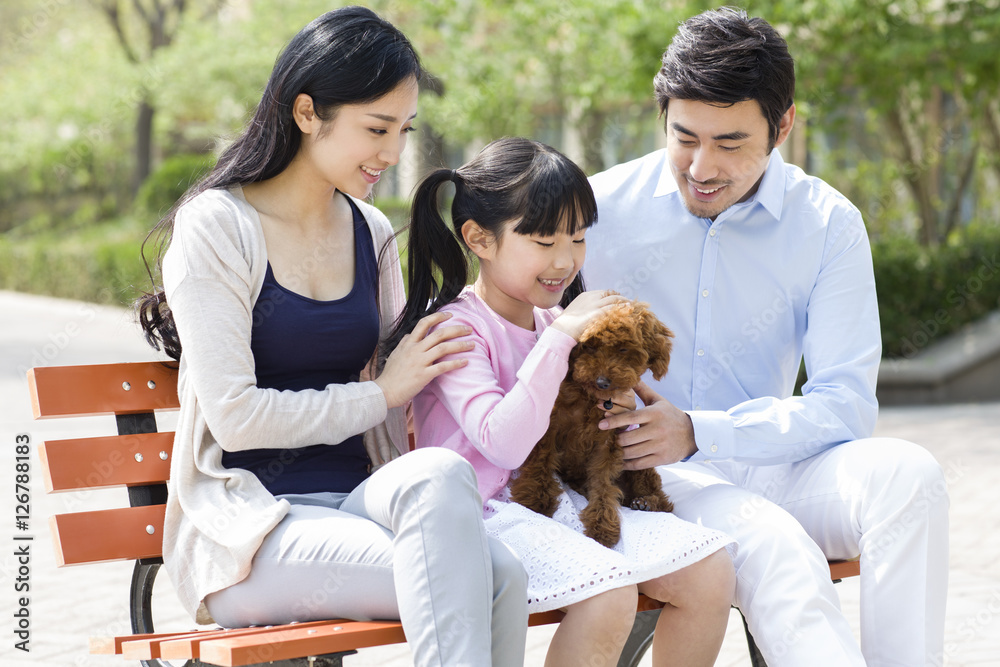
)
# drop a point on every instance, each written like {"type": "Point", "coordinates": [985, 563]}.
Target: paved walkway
{"type": "Point", "coordinates": [67, 605]}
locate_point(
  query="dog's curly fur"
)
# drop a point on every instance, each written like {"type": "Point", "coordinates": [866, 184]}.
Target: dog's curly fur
{"type": "Point", "coordinates": [613, 353]}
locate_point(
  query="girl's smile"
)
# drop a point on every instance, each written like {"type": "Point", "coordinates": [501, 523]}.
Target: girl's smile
{"type": "Point", "coordinates": [554, 285]}
{"type": "Point", "coordinates": [521, 272]}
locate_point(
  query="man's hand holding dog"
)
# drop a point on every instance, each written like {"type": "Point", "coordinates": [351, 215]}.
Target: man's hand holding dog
{"type": "Point", "coordinates": [664, 434]}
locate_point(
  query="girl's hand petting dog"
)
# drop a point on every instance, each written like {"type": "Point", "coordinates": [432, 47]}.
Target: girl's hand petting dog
{"type": "Point", "coordinates": [583, 310]}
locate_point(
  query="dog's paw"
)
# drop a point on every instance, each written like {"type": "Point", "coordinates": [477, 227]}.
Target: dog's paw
{"type": "Point", "coordinates": [602, 522]}
{"type": "Point", "coordinates": [641, 504]}
{"type": "Point", "coordinates": [605, 535]}
{"type": "Point", "coordinates": [652, 503]}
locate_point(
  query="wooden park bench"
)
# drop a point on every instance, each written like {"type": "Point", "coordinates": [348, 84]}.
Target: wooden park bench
{"type": "Point", "coordinates": [138, 458]}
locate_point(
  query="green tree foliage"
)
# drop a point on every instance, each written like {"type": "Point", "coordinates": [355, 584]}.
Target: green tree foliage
{"type": "Point", "coordinates": [899, 98]}
{"type": "Point", "coordinates": [899, 101]}
{"type": "Point", "coordinates": [509, 68]}
{"type": "Point", "coordinates": [68, 101]}
{"type": "Point", "coordinates": [142, 28]}
{"type": "Point", "coordinates": [912, 82]}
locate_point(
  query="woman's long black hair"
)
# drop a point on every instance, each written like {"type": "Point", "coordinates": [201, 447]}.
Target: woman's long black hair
{"type": "Point", "coordinates": [534, 187]}
{"type": "Point", "coordinates": [346, 56]}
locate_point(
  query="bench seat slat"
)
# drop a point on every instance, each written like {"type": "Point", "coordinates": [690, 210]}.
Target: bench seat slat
{"type": "Point", "coordinates": [114, 645]}
{"type": "Point", "coordinates": [842, 569]}
{"type": "Point", "coordinates": [185, 645]}
{"type": "Point", "coordinates": [116, 460]}
{"type": "Point", "coordinates": [98, 389]}
{"type": "Point", "coordinates": [189, 646]}
{"type": "Point", "coordinates": [295, 641]}
{"type": "Point", "coordinates": [108, 535]}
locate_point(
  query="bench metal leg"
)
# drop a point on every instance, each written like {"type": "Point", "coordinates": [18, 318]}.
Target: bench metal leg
{"type": "Point", "coordinates": [640, 639]}
{"type": "Point", "coordinates": [756, 659]}
{"type": "Point", "coordinates": [329, 660]}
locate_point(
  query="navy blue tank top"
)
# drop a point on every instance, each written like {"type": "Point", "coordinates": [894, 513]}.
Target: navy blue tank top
{"type": "Point", "coordinates": [299, 343]}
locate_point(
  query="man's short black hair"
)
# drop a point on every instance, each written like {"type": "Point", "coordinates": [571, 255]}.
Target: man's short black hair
{"type": "Point", "coordinates": [722, 57]}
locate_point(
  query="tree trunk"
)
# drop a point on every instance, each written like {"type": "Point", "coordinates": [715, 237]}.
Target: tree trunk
{"type": "Point", "coordinates": [143, 144]}
{"type": "Point", "coordinates": [914, 175]}
{"type": "Point", "coordinates": [592, 129]}
{"type": "Point", "coordinates": [954, 214]}
{"type": "Point", "coordinates": [992, 120]}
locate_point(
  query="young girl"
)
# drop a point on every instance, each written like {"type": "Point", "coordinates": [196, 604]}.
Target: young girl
{"type": "Point", "coordinates": [523, 209]}
{"type": "Point", "coordinates": [276, 304]}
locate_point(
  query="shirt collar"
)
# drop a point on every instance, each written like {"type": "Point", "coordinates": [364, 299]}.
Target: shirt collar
{"type": "Point", "coordinates": [770, 194]}
{"type": "Point", "coordinates": [667, 183]}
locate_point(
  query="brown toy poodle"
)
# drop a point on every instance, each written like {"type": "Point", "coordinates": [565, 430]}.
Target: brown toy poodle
{"type": "Point", "coordinates": [613, 353]}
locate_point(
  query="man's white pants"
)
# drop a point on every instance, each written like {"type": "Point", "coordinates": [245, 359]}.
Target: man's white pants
{"type": "Point", "coordinates": [881, 498]}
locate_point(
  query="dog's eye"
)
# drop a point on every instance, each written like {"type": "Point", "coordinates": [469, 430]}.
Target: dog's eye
{"type": "Point", "coordinates": [623, 350]}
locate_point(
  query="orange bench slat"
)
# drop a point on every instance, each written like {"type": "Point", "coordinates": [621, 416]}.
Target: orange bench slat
{"type": "Point", "coordinates": [108, 535]}
{"type": "Point", "coordinates": [294, 641]}
{"type": "Point", "coordinates": [178, 645]}
{"type": "Point", "coordinates": [114, 645]}
{"type": "Point", "coordinates": [189, 646]}
{"type": "Point", "coordinates": [115, 460]}
{"type": "Point", "coordinates": [148, 647]}
{"type": "Point", "coordinates": [126, 388]}
{"type": "Point", "coordinates": [842, 569]}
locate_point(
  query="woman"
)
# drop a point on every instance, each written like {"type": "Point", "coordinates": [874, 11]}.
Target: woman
{"type": "Point", "coordinates": [277, 303]}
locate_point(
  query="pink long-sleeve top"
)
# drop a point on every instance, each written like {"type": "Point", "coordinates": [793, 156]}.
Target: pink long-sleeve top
{"type": "Point", "coordinates": [495, 409]}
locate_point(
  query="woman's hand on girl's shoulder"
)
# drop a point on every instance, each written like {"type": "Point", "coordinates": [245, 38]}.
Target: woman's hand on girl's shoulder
{"type": "Point", "coordinates": [583, 310]}
{"type": "Point", "coordinates": [416, 360]}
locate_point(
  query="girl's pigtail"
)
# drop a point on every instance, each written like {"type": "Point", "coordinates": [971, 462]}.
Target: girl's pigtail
{"type": "Point", "coordinates": [437, 267]}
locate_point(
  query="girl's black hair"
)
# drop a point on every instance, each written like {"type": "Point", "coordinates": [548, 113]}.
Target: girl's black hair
{"type": "Point", "coordinates": [723, 56]}
{"type": "Point", "coordinates": [346, 56]}
{"type": "Point", "coordinates": [534, 187]}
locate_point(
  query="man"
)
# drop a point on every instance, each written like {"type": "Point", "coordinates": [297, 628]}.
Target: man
{"type": "Point", "coordinates": [755, 266]}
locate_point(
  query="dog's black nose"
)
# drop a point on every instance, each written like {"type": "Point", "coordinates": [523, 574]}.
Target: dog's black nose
{"type": "Point", "coordinates": [602, 382]}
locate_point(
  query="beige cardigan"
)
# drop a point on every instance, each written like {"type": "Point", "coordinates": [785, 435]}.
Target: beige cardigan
{"type": "Point", "coordinates": [217, 517]}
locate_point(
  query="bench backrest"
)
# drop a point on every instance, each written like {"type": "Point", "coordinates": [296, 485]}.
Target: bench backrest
{"type": "Point", "coordinates": [138, 457]}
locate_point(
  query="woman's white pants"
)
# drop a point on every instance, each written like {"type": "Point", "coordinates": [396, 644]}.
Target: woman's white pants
{"type": "Point", "coordinates": [408, 544]}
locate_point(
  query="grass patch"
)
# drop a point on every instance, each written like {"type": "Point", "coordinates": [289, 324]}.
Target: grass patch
{"type": "Point", "coordinates": [99, 264]}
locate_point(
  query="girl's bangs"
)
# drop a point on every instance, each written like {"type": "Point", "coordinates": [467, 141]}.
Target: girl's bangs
{"type": "Point", "coordinates": [559, 199]}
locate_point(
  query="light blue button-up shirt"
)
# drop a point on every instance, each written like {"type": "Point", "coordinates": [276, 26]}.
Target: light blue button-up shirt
{"type": "Point", "coordinates": [783, 276]}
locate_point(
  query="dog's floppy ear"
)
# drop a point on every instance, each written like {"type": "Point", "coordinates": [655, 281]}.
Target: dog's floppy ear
{"type": "Point", "coordinates": [656, 340]}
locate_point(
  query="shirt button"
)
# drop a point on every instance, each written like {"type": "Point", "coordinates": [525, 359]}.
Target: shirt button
{"type": "Point", "coordinates": [701, 353]}
{"type": "Point", "coordinates": [704, 292]}
{"type": "Point", "coordinates": [715, 448]}
{"type": "Point", "coordinates": [711, 232]}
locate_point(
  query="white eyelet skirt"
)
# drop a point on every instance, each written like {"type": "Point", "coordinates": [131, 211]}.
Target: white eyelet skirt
{"type": "Point", "coordinates": [564, 566]}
